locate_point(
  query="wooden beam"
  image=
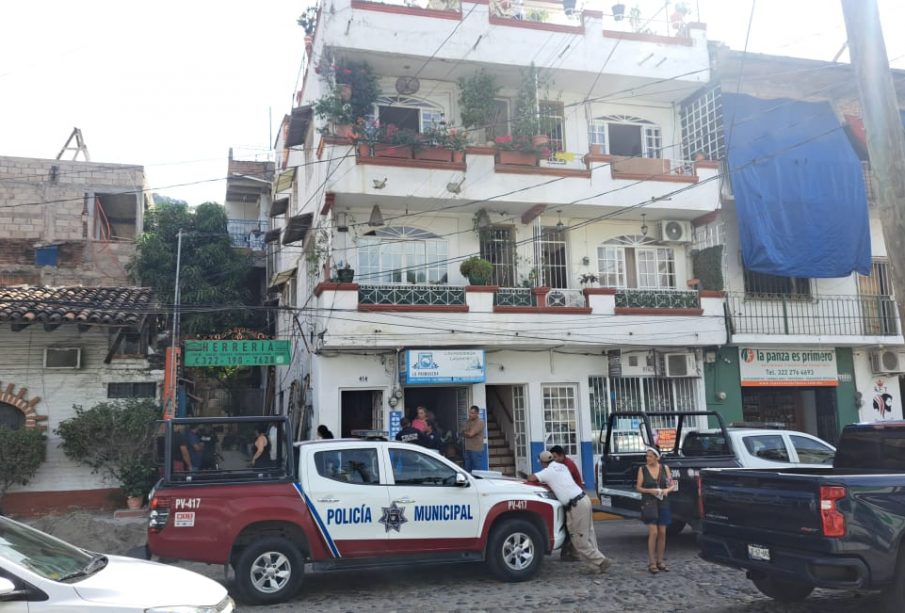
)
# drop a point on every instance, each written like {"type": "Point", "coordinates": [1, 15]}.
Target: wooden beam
{"type": "Point", "coordinates": [533, 213]}
{"type": "Point", "coordinates": [117, 341]}
{"type": "Point", "coordinates": [19, 326]}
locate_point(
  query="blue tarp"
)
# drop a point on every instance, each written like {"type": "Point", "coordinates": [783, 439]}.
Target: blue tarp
{"type": "Point", "coordinates": [799, 189]}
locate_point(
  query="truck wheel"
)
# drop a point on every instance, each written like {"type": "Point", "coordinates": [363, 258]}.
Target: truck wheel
{"type": "Point", "coordinates": [782, 590]}
{"type": "Point", "coordinates": [675, 528]}
{"type": "Point", "coordinates": [515, 550]}
{"type": "Point", "coordinates": [894, 594]}
{"type": "Point", "coordinates": [269, 571]}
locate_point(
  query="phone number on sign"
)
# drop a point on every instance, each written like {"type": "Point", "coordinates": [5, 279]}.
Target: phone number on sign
{"type": "Point", "coordinates": [789, 372]}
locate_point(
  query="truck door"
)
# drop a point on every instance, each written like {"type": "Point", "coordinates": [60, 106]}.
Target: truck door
{"type": "Point", "coordinates": [429, 511]}
{"type": "Point", "coordinates": [347, 491]}
{"type": "Point", "coordinates": [626, 440]}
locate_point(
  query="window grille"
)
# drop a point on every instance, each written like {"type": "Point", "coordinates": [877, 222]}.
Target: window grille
{"type": "Point", "coordinates": [520, 424]}
{"type": "Point", "coordinates": [552, 123]}
{"type": "Point", "coordinates": [702, 131]}
{"type": "Point", "coordinates": [498, 248]}
{"type": "Point", "coordinates": [762, 283]}
{"type": "Point", "coordinates": [551, 253]}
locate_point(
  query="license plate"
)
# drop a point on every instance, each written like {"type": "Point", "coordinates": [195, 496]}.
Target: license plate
{"type": "Point", "coordinates": [756, 552]}
{"type": "Point", "coordinates": [606, 501]}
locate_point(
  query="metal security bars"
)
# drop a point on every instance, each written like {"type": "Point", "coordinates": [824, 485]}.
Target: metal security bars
{"type": "Point", "coordinates": [248, 233]}
{"type": "Point", "coordinates": [821, 315]}
{"type": "Point", "coordinates": [550, 254]}
{"type": "Point", "coordinates": [658, 299]}
{"type": "Point", "coordinates": [520, 424]}
{"type": "Point", "coordinates": [561, 417]}
{"type": "Point", "coordinates": [514, 296]}
{"type": "Point", "coordinates": [498, 248]}
{"type": "Point", "coordinates": [423, 295]}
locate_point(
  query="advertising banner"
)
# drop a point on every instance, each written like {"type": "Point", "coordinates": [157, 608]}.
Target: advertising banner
{"type": "Point", "coordinates": [783, 367]}
{"type": "Point", "coordinates": [431, 366]}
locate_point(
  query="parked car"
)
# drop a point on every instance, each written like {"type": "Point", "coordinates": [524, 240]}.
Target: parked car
{"type": "Point", "coordinates": [690, 442]}
{"type": "Point", "coordinates": [39, 572]}
{"type": "Point", "coordinates": [839, 526]}
{"type": "Point", "coordinates": [343, 504]}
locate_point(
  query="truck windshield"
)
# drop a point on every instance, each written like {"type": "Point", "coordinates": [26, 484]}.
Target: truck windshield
{"type": "Point", "coordinates": [872, 449]}
{"type": "Point", "coordinates": [705, 444]}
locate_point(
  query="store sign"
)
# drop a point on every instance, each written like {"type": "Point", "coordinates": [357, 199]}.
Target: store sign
{"type": "Point", "coordinates": [781, 367]}
{"type": "Point", "coordinates": [255, 352]}
{"type": "Point", "coordinates": [429, 366]}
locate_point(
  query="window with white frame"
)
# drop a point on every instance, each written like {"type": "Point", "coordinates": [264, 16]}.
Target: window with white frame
{"type": "Point", "coordinates": [636, 262]}
{"type": "Point", "coordinates": [561, 417]}
{"type": "Point", "coordinates": [409, 113]}
{"type": "Point", "coordinates": [702, 129]}
{"type": "Point", "coordinates": [520, 422]}
{"type": "Point", "coordinates": [626, 135]}
{"type": "Point", "coordinates": [550, 245]}
{"type": "Point", "coordinates": [402, 254]}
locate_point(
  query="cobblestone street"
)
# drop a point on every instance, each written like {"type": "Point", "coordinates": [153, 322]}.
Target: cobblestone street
{"type": "Point", "coordinates": [692, 585]}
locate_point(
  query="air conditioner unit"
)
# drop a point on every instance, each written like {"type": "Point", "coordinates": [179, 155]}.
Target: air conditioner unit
{"type": "Point", "coordinates": [62, 357]}
{"type": "Point", "coordinates": [680, 365]}
{"type": "Point", "coordinates": [638, 364]}
{"type": "Point", "coordinates": [887, 361]}
{"type": "Point", "coordinates": [673, 231]}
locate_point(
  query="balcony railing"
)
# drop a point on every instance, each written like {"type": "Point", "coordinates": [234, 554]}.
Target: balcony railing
{"type": "Point", "coordinates": [248, 233]}
{"type": "Point", "coordinates": [658, 298]}
{"type": "Point", "coordinates": [564, 298]}
{"type": "Point", "coordinates": [514, 297]}
{"type": "Point", "coordinates": [818, 315]}
{"type": "Point", "coordinates": [420, 295]}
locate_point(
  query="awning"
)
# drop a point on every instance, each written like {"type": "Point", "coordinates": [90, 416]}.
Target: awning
{"type": "Point", "coordinates": [281, 278]}
{"type": "Point", "coordinates": [272, 235]}
{"type": "Point", "coordinates": [284, 181]}
{"type": "Point", "coordinates": [297, 228]}
{"type": "Point", "coordinates": [298, 126]}
{"type": "Point", "coordinates": [279, 206]}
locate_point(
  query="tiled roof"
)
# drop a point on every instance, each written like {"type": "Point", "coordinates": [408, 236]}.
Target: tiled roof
{"type": "Point", "coordinates": [115, 306]}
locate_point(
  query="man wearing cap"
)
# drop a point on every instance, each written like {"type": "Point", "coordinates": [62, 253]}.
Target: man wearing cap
{"type": "Point", "coordinates": [579, 516]}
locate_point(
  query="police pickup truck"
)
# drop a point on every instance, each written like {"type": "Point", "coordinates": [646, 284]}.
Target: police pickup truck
{"type": "Point", "coordinates": [339, 504]}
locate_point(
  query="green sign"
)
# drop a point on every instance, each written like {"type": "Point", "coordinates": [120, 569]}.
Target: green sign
{"type": "Point", "coordinates": [254, 352]}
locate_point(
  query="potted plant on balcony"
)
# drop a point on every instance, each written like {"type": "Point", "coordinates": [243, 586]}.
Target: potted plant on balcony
{"type": "Point", "coordinates": [516, 150]}
{"type": "Point", "coordinates": [432, 144]}
{"type": "Point", "coordinates": [396, 142]}
{"type": "Point", "coordinates": [477, 104]}
{"type": "Point", "coordinates": [589, 279]}
{"type": "Point", "coordinates": [478, 270]}
{"type": "Point", "coordinates": [331, 108]}
{"type": "Point", "coordinates": [345, 273]}
{"type": "Point", "coordinates": [308, 21]}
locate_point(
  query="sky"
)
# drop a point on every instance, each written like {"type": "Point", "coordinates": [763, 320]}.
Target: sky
{"type": "Point", "coordinates": [173, 85]}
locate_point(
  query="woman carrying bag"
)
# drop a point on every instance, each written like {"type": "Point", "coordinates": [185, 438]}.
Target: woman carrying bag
{"type": "Point", "coordinates": [655, 484]}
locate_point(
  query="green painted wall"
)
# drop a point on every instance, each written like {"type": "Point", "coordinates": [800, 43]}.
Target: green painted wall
{"type": "Point", "coordinates": [723, 376]}
{"type": "Point", "coordinates": [845, 393]}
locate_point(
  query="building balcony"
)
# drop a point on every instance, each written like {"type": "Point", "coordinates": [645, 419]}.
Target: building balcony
{"type": "Point", "coordinates": [247, 233]}
{"type": "Point", "coordinates": [669, 62]}
{"type": "Point", "coordinates": [390, 315]}
{"type": "Point", "coordinates": [843, 320]}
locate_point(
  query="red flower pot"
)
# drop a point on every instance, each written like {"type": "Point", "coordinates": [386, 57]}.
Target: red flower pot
{"type": "Point", "coordinates": [434, 154]}
{"type": "Point", "coordinates": [393, 151]}
{"type": "Point", "coordinates": [517, 158]}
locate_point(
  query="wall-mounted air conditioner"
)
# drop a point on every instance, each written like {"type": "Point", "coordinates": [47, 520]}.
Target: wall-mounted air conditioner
{"type": "Point", "coordinates": [887, 361]}
{"type": "Point", "coordinates": [674, 231]}
{"type": "Point", "coordinates": [62, 357]}
{"type": "Point", "coordinates": [680, 365]}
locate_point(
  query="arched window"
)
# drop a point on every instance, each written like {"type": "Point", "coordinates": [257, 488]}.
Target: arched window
{"type": "Point", "coordinates": [402, 254]}
{"type": "Point", "coordinates": [11, 417]}
{"type": "Point", "coordinates": [626, 135]}
{"type": "Point", "coordinates": [636, 262]}
{"type": "Point", "coordinates": [407, 112]}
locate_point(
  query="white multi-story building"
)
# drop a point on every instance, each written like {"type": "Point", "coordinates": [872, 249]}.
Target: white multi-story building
{"type": "Point", "coordinates": [607, 192]}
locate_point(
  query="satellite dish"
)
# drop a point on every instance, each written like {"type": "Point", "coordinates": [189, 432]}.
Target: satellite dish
{"type": "Point", "coordinates": [407, 85]}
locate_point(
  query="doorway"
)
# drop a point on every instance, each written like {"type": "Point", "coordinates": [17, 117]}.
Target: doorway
{"type": "Point", "coordinates": [806, 409]}
{"type": "Point", "coordinates": [448, 404]}
{"type": "Point", "coordinates": [360, 410]}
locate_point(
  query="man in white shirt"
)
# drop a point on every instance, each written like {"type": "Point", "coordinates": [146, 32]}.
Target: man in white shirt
{"type": "Point", "coordinates": [579, 516]}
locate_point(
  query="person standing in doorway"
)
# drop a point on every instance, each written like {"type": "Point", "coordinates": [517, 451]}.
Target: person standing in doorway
{"type": "Point", "coordinates": [474, 440]}
{"type": "Point", "coordinates": [420, 421]}
{"type": "Point", "coordinates": [579, 515]}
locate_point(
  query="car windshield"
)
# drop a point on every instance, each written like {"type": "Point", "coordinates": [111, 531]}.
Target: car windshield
{"type": "Point", "coordinates": [41, 553]}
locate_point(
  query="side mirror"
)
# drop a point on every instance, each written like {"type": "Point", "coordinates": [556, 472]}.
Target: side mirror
{"type": "Point", "coordinates": [461, 480]}
{"type": "Point", "coordinates": [7, 588]}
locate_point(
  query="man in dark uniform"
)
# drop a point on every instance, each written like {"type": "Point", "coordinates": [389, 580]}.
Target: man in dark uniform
{"type": "Point", "coordinates": [429, 437]}
{"type": "Point", "coordinates": [408, 434]}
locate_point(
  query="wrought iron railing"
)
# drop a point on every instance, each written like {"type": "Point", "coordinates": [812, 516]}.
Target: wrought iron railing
{"type": "Point", "coordinates": [421, 295]}
{"type": "Point", "coordinates": [248, 233]}
{"type": "Point", "coordinates": [434, 5]}
{"type": "Point", "coordinates": [658, 298]}
{"type": "Point", "coordinates": [514, 296]}
{"type": "Point", "coordinates": [565, 298]}
{"type": "Point", "coordinates": [815, 315]}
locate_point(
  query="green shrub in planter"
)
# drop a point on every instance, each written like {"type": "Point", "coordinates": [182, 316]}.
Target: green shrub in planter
{"type": "Point", "coordinates": [478, 270]}
{"type": "Point", "coordinates": [21, 454]}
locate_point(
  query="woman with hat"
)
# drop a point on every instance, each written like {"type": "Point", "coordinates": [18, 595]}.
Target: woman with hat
{"type": "Point", "coordinates": [654, 484]}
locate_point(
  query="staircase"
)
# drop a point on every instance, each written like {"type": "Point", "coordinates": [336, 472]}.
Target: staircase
{"type": "Point", "coordinates": [501, 456]}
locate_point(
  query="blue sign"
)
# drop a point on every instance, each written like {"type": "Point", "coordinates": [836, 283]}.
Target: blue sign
{"type": "Point", "coordinates": [430, 366]}
{"type": "Point", "coordinates": [395, 424]}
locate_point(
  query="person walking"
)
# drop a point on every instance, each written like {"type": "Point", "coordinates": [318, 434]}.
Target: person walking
{"type": "Point", "coordinates": [474, 440]}
{"type": "Point", "coordinates": [567, 552]}
{"type": "Point", "coordinates": [579, 515]}
{"type": "Point", "coordinates": [655, 483]}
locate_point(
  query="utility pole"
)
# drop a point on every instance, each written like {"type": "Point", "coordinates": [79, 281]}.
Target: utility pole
{"type": "Point", "coordinates": [883, 125]}
{"type": "Point", "coordinates": [174, 343]}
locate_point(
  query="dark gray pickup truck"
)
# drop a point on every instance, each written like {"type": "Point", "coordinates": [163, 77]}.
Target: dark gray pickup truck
{"type": "Point", "coordinates": [796, 529]}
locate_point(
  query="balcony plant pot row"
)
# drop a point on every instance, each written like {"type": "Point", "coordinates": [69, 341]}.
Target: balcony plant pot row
{"type": "Point", "coordinates": [516, 158]}
{"type": "Point", "coordinates": [408, 152]}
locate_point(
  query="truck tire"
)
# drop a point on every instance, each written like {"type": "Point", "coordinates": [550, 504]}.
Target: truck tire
{"type": "Point", "coordinates": [515, 550]}
{"type": "Point", "coordinates": [894, 594]}
{"type": "Point", "coordinates": [782, 590]}
{"type": "Point", "coordinates": [675, 527]}
{"type": "Point", "coordinates": [269, 571]}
